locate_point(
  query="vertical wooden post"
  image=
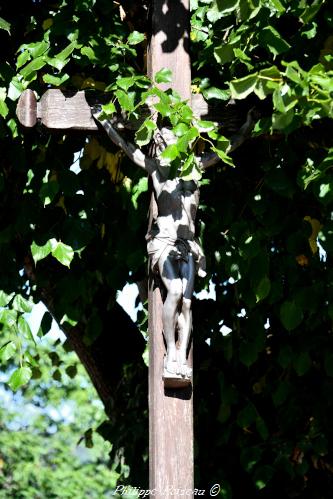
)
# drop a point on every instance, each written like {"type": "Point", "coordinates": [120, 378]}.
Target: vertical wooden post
{"type": "Point", "coordinates": [169, 44]}
{"type": "Point", "coordinates": [170, 410]}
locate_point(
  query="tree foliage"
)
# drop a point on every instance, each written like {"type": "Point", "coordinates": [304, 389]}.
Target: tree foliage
{"type": "Point", "coordinates": [264, 392]}
{"type": "Point", "coordinates": [48, 444]}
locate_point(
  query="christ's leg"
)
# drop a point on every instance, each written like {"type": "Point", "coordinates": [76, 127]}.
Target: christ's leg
{"type": "Point", "coordinates": [169, 272]}
{"type": "Point", "coordinates": [187, 271]}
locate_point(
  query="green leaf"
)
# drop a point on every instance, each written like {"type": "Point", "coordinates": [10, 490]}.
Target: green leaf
{"type": "Point", "coordinates": [31, 69]}
{"type": "Point", "coordinates": [180, 129]}
{"type": "Point", "coordinates": [281, 121]}
{"type": "Point", "coordinates": [278, 6]}
{"type": "Point", "coordinates": [139, 188]}
{"type": "Point", "coordinates": [311, 32]}
{"type": "Point", "coordinates": [206, 125]}
{"type": "Point", "coordinates": [15, 89]}
{"type": "Point", "coordinates": [60, 60]}
{"type": "Point", "coordinates": [310, 172]}
{"type": "Point", "coordinates": [248, 353]}
{"type": "Point", "coordinates": [109, 108]}
{"type": "Point", "coordinates": [163, 109]}
{"type": "Point", "coordinates": [5, 299]}
{"type": "Point", "coordinates": [12, 125]}
{"type": "Point", "coordinates": [126, 100]}
{"type": "Point", "coordinates": [23, 58]}
{"type": "Point", "coordinates": [285, 357]}
{"type": "Point", "coordinates": [284, 99]}
{"type": "Point", "coordinates": [3, 109]}
{"type": "Point", "coordinates": [224, 54]}
{"type": "Point", "coordinates": [272, 73]}
{"type": "Point", "coordinates": [5, 25]}
{"type": "Point", "coordinates": [221, 9]}
{"type": "Point", "coordinates": [184, 141]}
{"type": "Point", "coordinates": [189, 170]}
{"type": "Point", "coordinates": [311, 11]}
{"type": "Point", "coordinates": [263, 288]}
{"type": "Point", "coordinates": [270, 38]}
{"type": "Point", "coordinates": [224, 413]}
{"type": "Point", "coordinates": [62, 252]}
{"type": "Point", "coordinates": [216, 93]}
{"type": "Point", "coordinates": [8, 317]}
{"type": "Point", "coordinates": [24, 328]}
{"type": "Point", "coordinates": [294, 72]}
{"type": "Point", "coordinates": [7, 351]}
{"type": "Point", "coordinates": [164, 75]}
{"type": "Point", "coordinates": [262, 476]}
{"type": "Point", "coordinates": [144, 134]}
{"type": "Point", "coordinates": [3, 106]}
{"type": "Point", "coordinates": [186, 113]}
{"type": "Point", "coordinates": [88, 440]}
{"type": "Point", "coordinates": [247, 416]}
{"type": "Point", "coordinates": [291, 315]}
{"type": "Point", "coordinates": [125, 83]}
{"type": "Point", "coordinates": [250, 456]}
{"type": "Point", "coordinates": [40, 252]}
{"type": "Point", "coordinates": [281, 393]}
{"type": "Point", "coordinates": [262, 428]}
{"type": "Point", "coordinates": [57, 375]}
{"type": "Point", "coordinates": [37, 49]}
{"type": "Point", "coordinates": [71, 371]}
{"type": "Point", "coordinates": [21, 304]}
{"type": "Point", "coordinates": [302, 363]}
{"type": "Point", "coordinates": [36, 373]}
{"type": "Point", "coordinates": [135, 37]}
{"type": "Point", "coordinates": [269, 79]}
{"type": "Point", "coordinates": [55, 359]}
{"type": "Point", "coordinates": [55, 80]}
{"type": "Point", "coordinates": [89, 52]}
{"type": "Point", "coordinates": [19, 378]}
{"type": "Point", "coordinates": [170, 152]}
{"type": "Point", "coordinates": [245, 59]}
{"type": "Point", "coordinates": [220, 148]}
{"type": "Point", "coordinates": [68, 320]}
{"type": "Point", "coordinates": [242, 87]}
{"type": "Point", "coordinates": [214, 15]}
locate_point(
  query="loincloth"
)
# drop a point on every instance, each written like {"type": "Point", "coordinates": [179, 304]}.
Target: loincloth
{"type": "Point", "coordinates": [159, 245]}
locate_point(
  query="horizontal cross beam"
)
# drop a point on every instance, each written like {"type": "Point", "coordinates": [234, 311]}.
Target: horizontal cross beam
{"type": "Point", "coordinates": [60, 110]}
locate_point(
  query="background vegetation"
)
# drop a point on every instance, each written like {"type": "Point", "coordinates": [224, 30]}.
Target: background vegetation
{"type": "Point", "coordinates": [48, 444]}
{"type": "Point", "coordinates": [264, 397]}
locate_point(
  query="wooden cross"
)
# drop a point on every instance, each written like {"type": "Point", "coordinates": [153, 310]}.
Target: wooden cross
{"type": "Point", "coordinates": [170, 410]}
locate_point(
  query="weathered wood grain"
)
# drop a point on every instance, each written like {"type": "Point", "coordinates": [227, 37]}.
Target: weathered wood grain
{"type": "Point", "coordinates": [60, 110]}
{"type": "Point", "coordinates": [169, 44]}
{"type": "Point", "coordinates": [26, 109]}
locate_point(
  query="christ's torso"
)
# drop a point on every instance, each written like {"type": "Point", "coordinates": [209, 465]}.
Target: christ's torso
{"type": "Point", "coordinates": [177, 202]}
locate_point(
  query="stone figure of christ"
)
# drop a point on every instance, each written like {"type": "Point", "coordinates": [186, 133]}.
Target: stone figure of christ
{"type": "Point", "coordinates": [177, 256]}
{"type": "Point", "coordinates": [173, 250]}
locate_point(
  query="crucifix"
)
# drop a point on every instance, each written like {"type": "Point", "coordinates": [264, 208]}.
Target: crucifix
{"type": "Point", "coordinates": [175, 255]}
